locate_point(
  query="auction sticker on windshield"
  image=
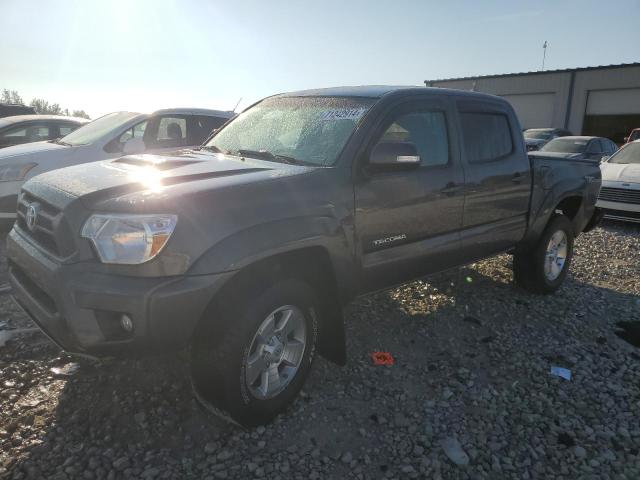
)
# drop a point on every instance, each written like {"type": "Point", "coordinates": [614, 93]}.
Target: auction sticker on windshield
{"type": "Point", "coordinates": [342, 114]}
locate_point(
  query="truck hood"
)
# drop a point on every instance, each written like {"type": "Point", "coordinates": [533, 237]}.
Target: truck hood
{"type": "Point", "coordinates": [29, 150]}
{"type": "Point", "coordinates": [621, 172]}
{"type": "Point", "coordinates": [569, 156]}
{"type": "Point", "coordinates": [142, 182]}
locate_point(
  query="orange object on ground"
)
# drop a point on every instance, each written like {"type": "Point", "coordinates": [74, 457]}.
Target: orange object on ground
{"type": "Point", "coordinates": [382, 358]}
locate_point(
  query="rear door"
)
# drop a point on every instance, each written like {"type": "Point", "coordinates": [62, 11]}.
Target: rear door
{"type": "Point", "coordinates": [408, 221]}
{"type": "Point", "coordinates": [498, 178]}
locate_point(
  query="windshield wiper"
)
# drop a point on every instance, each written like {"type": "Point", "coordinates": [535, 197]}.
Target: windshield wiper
{"type": "Point", "coordinates": [267, 155]}
{"type": "Point", "coordinates": [60, 142]}
{"type": "Point", "coordinates": [212, 148]}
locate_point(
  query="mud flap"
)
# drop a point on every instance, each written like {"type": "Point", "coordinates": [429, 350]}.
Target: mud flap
{"type": "Point", "coordinates": [598, 213]}
{"type": "Point", "coordinates": [332, 340]}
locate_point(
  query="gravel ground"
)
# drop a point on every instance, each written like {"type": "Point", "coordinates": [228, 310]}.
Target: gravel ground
{"type": "Point", "coordinates": [470, 394]}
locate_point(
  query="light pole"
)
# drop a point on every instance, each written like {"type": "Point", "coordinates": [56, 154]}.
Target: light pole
{"type": "Point", "coordinates": [544, 53]}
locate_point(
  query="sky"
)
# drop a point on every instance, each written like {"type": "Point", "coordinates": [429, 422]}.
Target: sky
{"type": "Point", "coordinates": [140, 55]}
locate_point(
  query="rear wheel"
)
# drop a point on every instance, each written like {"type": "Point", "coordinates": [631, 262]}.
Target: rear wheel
{"type": "Point", "coordinates": [251, 358]}
{"type": "Point", "coordinates": [543, 268]}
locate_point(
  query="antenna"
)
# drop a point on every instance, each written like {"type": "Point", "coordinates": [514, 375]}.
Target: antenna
{"type": "Point", "coordinates": [544, 52]}
{"type": "Point", "coordinates": [234, 108]}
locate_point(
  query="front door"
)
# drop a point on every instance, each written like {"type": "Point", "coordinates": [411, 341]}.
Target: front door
{"type": "Point", "coordinates": [408, 221]}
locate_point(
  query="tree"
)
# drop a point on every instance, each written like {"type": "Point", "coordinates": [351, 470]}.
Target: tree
{"type": "Point", "coordinates": [42, 107]}
{"type": "Point", "coordinates": [11, 96]}
{"type": "Point", "coordinates": [81, 114]}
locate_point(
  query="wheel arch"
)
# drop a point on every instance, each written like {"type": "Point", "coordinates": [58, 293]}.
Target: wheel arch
{"type": "Point", "coordinates": [312, 264]}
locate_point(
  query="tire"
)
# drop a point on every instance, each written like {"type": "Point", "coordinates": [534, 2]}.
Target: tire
{"type": "Point", "coordinates": [532, 268]}
{"type": "Point", "coordinates": [228, 351]}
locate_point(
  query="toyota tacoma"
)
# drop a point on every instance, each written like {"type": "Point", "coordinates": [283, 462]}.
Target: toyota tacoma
{"type": "Point", "coordinates": [245, 250]}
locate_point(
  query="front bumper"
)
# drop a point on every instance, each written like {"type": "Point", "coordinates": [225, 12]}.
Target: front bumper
{"type": "Point", "coordinates": [80, 310]}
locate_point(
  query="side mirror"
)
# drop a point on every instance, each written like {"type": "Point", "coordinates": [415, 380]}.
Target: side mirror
{"type": "Point", "coordinates": [626, 139]}
{"type": "Point", "coordinates": [605, 158]}
{"type": "Point", "coordinates": [400, 155]}
{"type": "Point", "coordinates": [134, 145]}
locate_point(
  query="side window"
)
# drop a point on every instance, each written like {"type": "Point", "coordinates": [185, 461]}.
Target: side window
{"type": "Point", "coordinates": [66, 129]}
{"type": "Point", "coordinates": [203, 126]}
{"type": "Point", "coordinates": [117, 144]}
{"type": "Point", "coordinates": [427, 131]}
{"type": "Point", "coordinates": [594, 146]}
{"type": "Point", "coordinates": [172, 132]}
{"type": "Point", "coordinates": [17, 134]}
{"type": "Point", "coordinates": [486, 136]}
{"type": "Point", "coordinates": [612, 147]}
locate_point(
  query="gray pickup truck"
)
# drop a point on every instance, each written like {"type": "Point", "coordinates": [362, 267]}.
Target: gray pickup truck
{"type": "Point", "coordinates": [246, 249]}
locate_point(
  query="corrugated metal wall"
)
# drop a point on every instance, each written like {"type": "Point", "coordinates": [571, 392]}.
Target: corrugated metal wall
{"type": "Point", "coordinates": [557, 84]}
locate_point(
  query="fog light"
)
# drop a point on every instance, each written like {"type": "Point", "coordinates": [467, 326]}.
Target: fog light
{"type": "Point", "coordinates": [126, 323]}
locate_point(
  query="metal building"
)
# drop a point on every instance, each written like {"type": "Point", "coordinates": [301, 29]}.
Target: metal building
{"type": "Point", "coordinates": [602, 101]}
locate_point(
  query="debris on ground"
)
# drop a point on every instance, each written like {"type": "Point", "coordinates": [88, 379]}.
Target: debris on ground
{"type": "Point", "coordinates": [382, 358]}
{"type": "Point", "coordinates": [67, 370]}
{"type": "Point", "coordinates": [561, 372]}
{"type": "Point", "coordinates": [453, 450]}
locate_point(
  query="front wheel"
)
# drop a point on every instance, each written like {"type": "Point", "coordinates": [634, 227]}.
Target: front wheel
{"type": "Point", "coordinates": [253, 360]}
{"type": "Point", "coordinates": [543, 268]}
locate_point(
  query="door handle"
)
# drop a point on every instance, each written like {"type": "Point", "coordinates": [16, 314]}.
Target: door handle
{"type": "Point", "coordinates": [517, 177]}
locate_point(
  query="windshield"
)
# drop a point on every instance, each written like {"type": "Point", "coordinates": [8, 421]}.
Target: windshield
{"type": "Point", "coordinates": [565, 145]}
{"type": "Point", "coordinates": [310, 130]}
{"type": "Point", "coordinates": [537, 134]}
{"type": "Point", "coordinates": [627, 154]}
{"type": "Point", "coordinates": [92, 131]}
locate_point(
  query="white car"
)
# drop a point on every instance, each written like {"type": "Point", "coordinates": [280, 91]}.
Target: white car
{"type": "Point", "coordinates": [110, 136]}
{"type": "Point", "coordinates": [620, 193]}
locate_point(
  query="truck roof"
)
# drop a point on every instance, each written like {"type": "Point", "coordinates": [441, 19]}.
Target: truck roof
{"type": "Point", "coordinates": [378, 91]}
{"type": "Point", "coordinates": [195, 111]}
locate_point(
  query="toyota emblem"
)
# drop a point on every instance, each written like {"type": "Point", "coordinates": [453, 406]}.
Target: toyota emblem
{"type": "Point", "coordinates": [32, 215]}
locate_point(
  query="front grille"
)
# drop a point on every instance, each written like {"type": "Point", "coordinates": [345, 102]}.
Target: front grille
{"type": "Point", "coordinates": [622, 215]}
{"type": "Point", "coordinates": [621, 195]}
{"type": "Point", "coordinates": [47, 220]}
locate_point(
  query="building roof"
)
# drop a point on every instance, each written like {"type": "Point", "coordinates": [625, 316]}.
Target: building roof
{"type": "Point", "coordinates": [5, 121]}
{"type": "Point", "coordinates": [537, 72]}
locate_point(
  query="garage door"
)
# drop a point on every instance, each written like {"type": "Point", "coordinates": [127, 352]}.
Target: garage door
{"type": "Point", "coordinates": [624, 101]}
{"type": "Point", "coordinates": [612, 113]}
{"type": "Point", "coordinates": [534, 110]}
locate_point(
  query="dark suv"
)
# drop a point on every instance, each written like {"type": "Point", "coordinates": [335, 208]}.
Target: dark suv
{"type": "Point", "coordinates": [536, 138]}
{"type": "Point", "coordinates": [11, 109]}
{"type": "Point", "coordinates": [246, 249]}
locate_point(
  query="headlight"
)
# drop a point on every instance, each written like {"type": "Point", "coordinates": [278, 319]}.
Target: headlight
{"type": "Point", "coordinates": [12, 173]}
{"type": "Point", "coordinates": [128, 239]}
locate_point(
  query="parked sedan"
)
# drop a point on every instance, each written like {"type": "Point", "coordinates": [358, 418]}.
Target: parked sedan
{"type": "Point", "coordinates": [21, 129]}
{"type": "Point", "coordinates": [620, 192]}
{"type": "Point", "coordinates": [579, 148]}
{"type": "Point", "coordinates": [535, 138]}
{"type": "Point", "coordinates": [110, 136]}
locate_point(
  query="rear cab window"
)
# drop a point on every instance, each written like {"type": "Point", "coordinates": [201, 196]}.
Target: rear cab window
{"type": "Point", "coordinates": [486, 136]}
